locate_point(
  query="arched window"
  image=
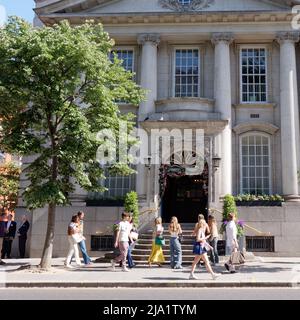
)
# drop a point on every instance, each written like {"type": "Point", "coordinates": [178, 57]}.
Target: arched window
{"type": "Point", "coordinates": [255, 164]}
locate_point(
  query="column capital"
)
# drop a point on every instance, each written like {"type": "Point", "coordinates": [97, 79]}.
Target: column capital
{"type": "Point", "coordinates": [290, 36]}
{"type": "Point", "coordinates": [222, 37]}
{"type": "Point", "coordinates": [148, 37]}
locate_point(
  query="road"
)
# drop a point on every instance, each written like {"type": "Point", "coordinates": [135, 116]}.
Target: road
{"type": "Point", "coordinates": [150, 294]}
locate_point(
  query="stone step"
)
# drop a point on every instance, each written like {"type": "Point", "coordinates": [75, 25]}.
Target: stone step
{"type": "Point", "coordinates": [166, 236]}
{"type": "Point", "coordinates": [147, 246]}
{"type": "Point", "coordinates": [165, 251]}
{"type": "Point", "coordinates": [142, 257]}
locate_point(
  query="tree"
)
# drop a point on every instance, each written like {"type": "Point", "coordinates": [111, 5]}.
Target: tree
{"type": "Point", "coordinates": [9, 184]}
{"type": "Point", "coordinates": [58, 89]}
{"type": "Point", "coordinates": [131, 205]}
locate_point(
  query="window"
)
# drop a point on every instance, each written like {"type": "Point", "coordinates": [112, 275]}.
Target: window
{"type": "Point", "coordinates": [187, 72]}
{"type": "Point", "coordinates": [253, 75]}
{"type": "Point", "coordinates": [117, 186]}
{"type": "Point", "coordinates": [185, 2]}
{"type": "Point", "coordinates": [255, 164]}
{"type": "Point", "coordinates": [127, 56]}
{"type": "Point", "coordinates": [2, 156]}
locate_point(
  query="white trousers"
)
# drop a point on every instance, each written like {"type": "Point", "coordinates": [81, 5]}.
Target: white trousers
{"type": "Point", "coordinates": [73, 250]}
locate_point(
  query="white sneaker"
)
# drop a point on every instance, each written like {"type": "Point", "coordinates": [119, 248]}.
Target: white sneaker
{"type": "Point", "coordinates": [193, 277]}
{"type": "Point", "coordinates": [215, 275]}
{"type": "Point", "coordinates": [113, 265]}
{"type": "Point", "coordinates": [125, 269]}
{"type": "Point", "coordinates": [69, 266]}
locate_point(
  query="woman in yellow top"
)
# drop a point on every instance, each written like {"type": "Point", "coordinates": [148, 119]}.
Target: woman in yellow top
{"type": "Point", "coordinates": [157, 255]}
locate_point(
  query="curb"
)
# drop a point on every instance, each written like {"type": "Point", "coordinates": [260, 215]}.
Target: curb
{"type": "Point", "coordinates": [151, 285]}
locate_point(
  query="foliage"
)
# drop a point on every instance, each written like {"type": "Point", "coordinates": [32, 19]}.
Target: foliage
{"type": "Point", "coordinates": [58, 89]}
{"type": "Point", "coordinates": [229, 206]}
{"type": "Point", "coordinates": [131, 205]}
{"type": "Point", "coordinates": [9, 185]}
{"type": "Point", "coordinates": [265, 197]}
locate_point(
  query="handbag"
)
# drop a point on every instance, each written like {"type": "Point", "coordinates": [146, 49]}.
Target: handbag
{"type": "Point", "coordinates": [77, 237]}
{"type": "Point", "coordinates": [207, 246]}
{"type": "Point", "coordinates": [237, 258]}
{"type": "Point", "coordinates": [160, 241]}
{"type": "Point", "coordinates": [134, 235]}
{"type": "Point", "coordinates": [180, 237]}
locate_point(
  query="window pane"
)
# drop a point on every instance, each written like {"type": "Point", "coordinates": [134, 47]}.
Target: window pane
{"type": "Point", "coordinates": [255, 169]}
{"type": "Point", "coordinates": [253, 75]}
{"type": "Point", "coordinates": [187, 63]}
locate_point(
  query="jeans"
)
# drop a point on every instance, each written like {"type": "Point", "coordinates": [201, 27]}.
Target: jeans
{"type": "Point", "coordinates": [129, 257]}
{"type": "Point", "coordinates": [175, 252]}
{"type": "Point", "coordinates": [214, 257]}
{"type": "Point", "coordinates": [83, 250]}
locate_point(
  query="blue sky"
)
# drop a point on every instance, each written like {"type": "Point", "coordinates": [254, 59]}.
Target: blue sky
{"type": "Point", "coordinates": [21, 8]}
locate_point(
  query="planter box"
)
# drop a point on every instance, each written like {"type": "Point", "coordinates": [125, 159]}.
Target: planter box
{"type": "Point", "coordinates": [104, 203]}
{"type": "Point", "coordinates": [259, 203]}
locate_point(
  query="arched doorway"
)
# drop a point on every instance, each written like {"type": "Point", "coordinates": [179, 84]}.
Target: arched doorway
{"type": "Point", "coordinates": [184, 196]}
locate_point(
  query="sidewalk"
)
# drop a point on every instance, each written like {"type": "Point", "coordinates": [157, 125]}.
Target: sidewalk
{"type": "Point", "coordinates": [263, 272]}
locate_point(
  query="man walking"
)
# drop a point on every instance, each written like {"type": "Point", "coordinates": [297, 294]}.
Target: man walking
{"type": "Point", "coordinates": [22, 234]}
{"type": "Point", "coordinates": [10, 233]}
{"type": "Point", "coordinates": [87, 260]}
{"type": "Point", "coordinates": [2, 234]}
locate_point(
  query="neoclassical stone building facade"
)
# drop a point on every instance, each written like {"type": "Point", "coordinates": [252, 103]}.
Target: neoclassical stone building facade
{"type": "Point", "coordinates": [227, 67]}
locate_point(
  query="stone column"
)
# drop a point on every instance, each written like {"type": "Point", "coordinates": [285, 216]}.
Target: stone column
{"type": "Point", "coordinates": [148, 81]}
{"type": "Point", "coordinates": [289, 113]}
{"type": "Point", "coordinates": [222, 95]}
{"type": "Point", "coordinates": [148, 72]}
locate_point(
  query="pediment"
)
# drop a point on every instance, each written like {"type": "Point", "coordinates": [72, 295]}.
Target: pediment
{"type": "Point", "coordinates": [158, 6]}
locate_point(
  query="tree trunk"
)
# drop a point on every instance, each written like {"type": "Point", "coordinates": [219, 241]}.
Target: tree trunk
{"type": "Point", "coordinates": [48, 246]}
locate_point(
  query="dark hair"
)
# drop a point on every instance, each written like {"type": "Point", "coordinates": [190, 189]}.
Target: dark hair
{"type": "Point", "coordinates": [74, 218]}
{"type": "Point", "coordinates": [125, 214]}
{"type": "Point", "coordinates": [80, 213]}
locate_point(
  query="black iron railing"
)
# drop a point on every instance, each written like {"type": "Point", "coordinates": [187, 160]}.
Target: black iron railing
{"type": "Point", "coordinates": [260, 243]}
{"type": "Point", "coordinates": [102, 243]}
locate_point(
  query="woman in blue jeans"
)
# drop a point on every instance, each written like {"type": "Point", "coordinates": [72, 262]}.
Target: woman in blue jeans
{"type": "Point", "coordinates": [175, 245]}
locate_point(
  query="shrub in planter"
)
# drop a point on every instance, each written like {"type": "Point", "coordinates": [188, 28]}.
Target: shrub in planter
{"type": "Point", "coordinates": [131, 204]}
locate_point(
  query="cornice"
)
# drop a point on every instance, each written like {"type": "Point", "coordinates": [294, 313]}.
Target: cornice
{"type": "Point", "coordinates": [171, 18]}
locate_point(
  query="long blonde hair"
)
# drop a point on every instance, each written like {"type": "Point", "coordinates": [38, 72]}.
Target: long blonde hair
{"type": "Point", "coordinates": [174, 225]}
{"type": "Point", "coordinates": [158, 221]}
{"type": "Point", "coordinates": [201, 223]}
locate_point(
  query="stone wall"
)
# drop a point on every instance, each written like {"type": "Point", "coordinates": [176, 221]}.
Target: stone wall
{"type": "Point", "coordinates": [98, 220]}
{"type": "Point", "coordinates": [282, 222]}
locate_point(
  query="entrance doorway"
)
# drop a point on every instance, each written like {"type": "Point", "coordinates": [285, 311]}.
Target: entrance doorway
{"type": "Point", "coordinates": [186, 197]}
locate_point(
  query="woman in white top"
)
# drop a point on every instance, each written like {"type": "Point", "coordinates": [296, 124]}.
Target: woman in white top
{"type": "Point", "coordinates": [157, 255]}
{"type": "Point", "coordinates": [175, 245]}
{"type": "Point", "coordinates": [200, 249]}
{"type": "Point", "coordinates": [73, 237]}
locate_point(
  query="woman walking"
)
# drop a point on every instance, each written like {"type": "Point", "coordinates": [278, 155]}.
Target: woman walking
{"type": "Point", "coordinates": [231, 241]}
{"type": "Point", "coordinates": [213, 239]}
{"type": "Point", "coordinates": [74, 238]}
{"type": "Point", "coordinates": [132, 240]}
{"type": "Point", "coordinates": [200, 249]}
{"type": "Point", "coordinates": [175, 245]}
{"type": "Point", "coordinates": [157, 255]}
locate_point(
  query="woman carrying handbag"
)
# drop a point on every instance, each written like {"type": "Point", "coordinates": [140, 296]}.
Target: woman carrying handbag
{"type": "Point", "coordinates": [157, 255]}
{"type": "Point", "coordinates": [74, 237]}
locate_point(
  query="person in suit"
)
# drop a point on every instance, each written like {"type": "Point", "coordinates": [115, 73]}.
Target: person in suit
{"type": "Point", "coordinates": [2, 234]}
{"type": "Point", "coordinates": [10, 233]}
{"type": "Point", "coordinates": [22, 234]}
